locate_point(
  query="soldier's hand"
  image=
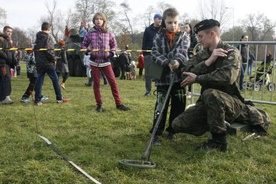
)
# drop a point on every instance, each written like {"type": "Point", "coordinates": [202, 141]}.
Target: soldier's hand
{"type": "Point", "coordinates": [190, 79]}
{"type": "Point", "coordinates": [219, 52]}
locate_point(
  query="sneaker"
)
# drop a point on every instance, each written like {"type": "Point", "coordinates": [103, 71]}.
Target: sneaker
{"type": "Point", "coordinates": [7, 100]}
{"type": "Point", "coordinates": [171, 136]}
{"type": "Point", "coordinates": [38, 103]}
{"type": "Point", "coordinates": [123, 107]}
{"type": "Point", "coordinates": [156, 141]}
{"type": "Point", "coordinates": [44, 98]}
{"type": "Point", "coordinates": [211, 145]}
{"type": "Point", "coordinates": [62, 85]}
{"type": "Point", "coordinates": [25, 100]}
{"type": "Point", "coordinates": [99, 108]}
{"type": "Point", "coordinates": [188, 95]}
{"type": "Point", "coordinates": [148, 93]}
{"type": "Point", "coordinates": [64, 100]}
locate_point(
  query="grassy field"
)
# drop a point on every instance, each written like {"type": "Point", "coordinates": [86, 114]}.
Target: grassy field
{"type": "Point", "coordinates": [98, 141]}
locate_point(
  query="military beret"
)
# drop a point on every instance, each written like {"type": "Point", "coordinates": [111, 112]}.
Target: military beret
{"type": "Point", "coordinates": [205, 24]}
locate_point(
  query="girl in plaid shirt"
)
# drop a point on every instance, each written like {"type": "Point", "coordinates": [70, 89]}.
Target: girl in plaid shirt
{"type": "Point", "coordinates": [103, 45]}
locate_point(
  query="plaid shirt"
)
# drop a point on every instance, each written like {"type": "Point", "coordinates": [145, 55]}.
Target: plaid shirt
{"type": "Point", "coordinates": [161, 50]}
{"type": "Point", "coordinates": [104, 42]}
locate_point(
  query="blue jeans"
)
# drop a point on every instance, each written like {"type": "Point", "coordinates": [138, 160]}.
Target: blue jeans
{"type": "Point", "coordinates": [244, 66]}
{"type": "Point", "coordinates": [40, 80]}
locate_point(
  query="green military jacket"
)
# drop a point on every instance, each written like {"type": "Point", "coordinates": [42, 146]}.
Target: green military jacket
{"type": "Point", "coordinates": [223, 74]}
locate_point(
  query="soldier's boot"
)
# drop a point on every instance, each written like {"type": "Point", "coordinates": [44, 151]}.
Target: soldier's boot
{"type": "Point", "coordinates": [217, 142]}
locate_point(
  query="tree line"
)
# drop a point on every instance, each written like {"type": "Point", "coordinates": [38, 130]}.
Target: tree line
{"type": "Point", "coordinates": [129, 31]}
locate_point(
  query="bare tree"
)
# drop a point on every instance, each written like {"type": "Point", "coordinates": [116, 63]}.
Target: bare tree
{"type": "Point", "coordinates": [68, 17]}
{"type": "Point", "coordinates": [148, 16]}
{"type": "Point", "coordinates": [85, 10]}
{"type": "Point", "coordinates": [31, 34]}
{"type": "Point", "coordinates": [54, 17]}
{"type": "Point", "coordinates": [20, 38]}
{"type": "Point", "coordinates": [259, 27]}
{"type": "Point", "coordinates": [3, 17]}
{"type": "Point", "coordinates": [162, 6]}
{"type": "Point", "coordinates": [215, 9]}
{"type": "Point", "coordinates": [126, 10]}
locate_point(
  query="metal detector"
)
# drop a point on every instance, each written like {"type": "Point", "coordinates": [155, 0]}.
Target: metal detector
{"type": "Point", "coordinates": [58, 151]}
{"type": "Point", "coordinates": [145, 162]}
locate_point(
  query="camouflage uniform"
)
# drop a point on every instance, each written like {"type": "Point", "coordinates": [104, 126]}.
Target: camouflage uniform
{"type": "Point", "coordinates": [220, 97]}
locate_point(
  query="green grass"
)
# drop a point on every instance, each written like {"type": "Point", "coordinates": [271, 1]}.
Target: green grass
{"type": "Point", "coordinates": [98, 141]}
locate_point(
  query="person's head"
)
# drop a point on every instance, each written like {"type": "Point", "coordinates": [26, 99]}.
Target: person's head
{"type": "Point", "coordinates": [29, 52]}
{"type": "Point", "coordinates": [208, 33]}
{"type": "Point", "coordinates": [188, 28]}
{"type": "Point", "coordinates": [61, 43]}
{"type": "Point", "coordinates": [171, 19]}
{"type": "Point", "coordinates": [268, 53]}
{"type": "Point", "coordinates": [244, 38]}
{"type": "Point", "coordinates": [46, 27]}
{"type": "Point", "coordinates": [99, 20]}
{"type": "Point", "coordinates": [7, 30]}
{"type": "Point", "coordinates": [157, 20]}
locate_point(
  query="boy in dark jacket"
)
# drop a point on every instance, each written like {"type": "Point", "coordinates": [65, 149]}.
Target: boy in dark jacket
{"type": "Point", "coordinates": [45, 63]}
{"type": "Point", "coordinates": [32, 75]}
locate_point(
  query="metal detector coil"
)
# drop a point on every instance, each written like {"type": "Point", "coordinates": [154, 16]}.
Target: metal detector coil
{"type": "Point", "coordinates": [143, 163]}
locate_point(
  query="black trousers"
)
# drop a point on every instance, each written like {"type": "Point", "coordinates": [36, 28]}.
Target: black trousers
{"type": "Point", "coordinates": [177, 103]}
{"type": "Point", "coordinates": [30, 87]}
{"type": "Point", "coordinates": [5, 82]}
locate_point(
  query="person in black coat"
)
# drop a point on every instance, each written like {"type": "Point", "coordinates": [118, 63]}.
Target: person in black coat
{"type": "Point", "coordinates": [45, 63]}
{"type": "Point", "coordinates": [7, 60]}
{"type": "Point", "coordinates": [124, 61]}
{"type": "Point", "coordinates": [62, 64]}
{"type": "Point", "coordinates": [148, 36]}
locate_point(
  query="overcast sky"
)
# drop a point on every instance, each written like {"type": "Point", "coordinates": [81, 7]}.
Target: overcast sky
{"type": "Point", "coordinates": [27, 13]}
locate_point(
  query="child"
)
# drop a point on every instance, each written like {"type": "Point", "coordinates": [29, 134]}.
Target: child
{"type": "Point", "coordinates": [45, 64]}
{"type": "Point", "coordinates": [140, 64]}
{"type": "Point", "coordinates": [100, 38]}
{"type": "Point", "coordinates": [169, 50]}
{"type": "Point", "coordinates": [32, 75]}
{"type": "Point", "coordinates": [62, 64]}
{"type": "Point", "coordinates": [132, 70]}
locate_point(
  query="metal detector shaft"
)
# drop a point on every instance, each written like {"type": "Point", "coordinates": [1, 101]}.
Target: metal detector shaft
{"type": "Point", "coordinates": [70, 162]}
{"type": "Point", "coordinates": [144, 156]}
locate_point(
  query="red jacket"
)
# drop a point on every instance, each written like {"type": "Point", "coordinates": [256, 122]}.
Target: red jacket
{"type": "Point", "coordinates": [140, 61]}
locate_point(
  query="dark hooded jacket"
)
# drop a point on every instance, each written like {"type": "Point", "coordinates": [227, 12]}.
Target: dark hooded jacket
{"type": "Point", "coordinates": [148, 36]}
{"type": "Point", "coordinates": [6, 56]}
{"type": "Point", "coordinates": [44, 59]}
